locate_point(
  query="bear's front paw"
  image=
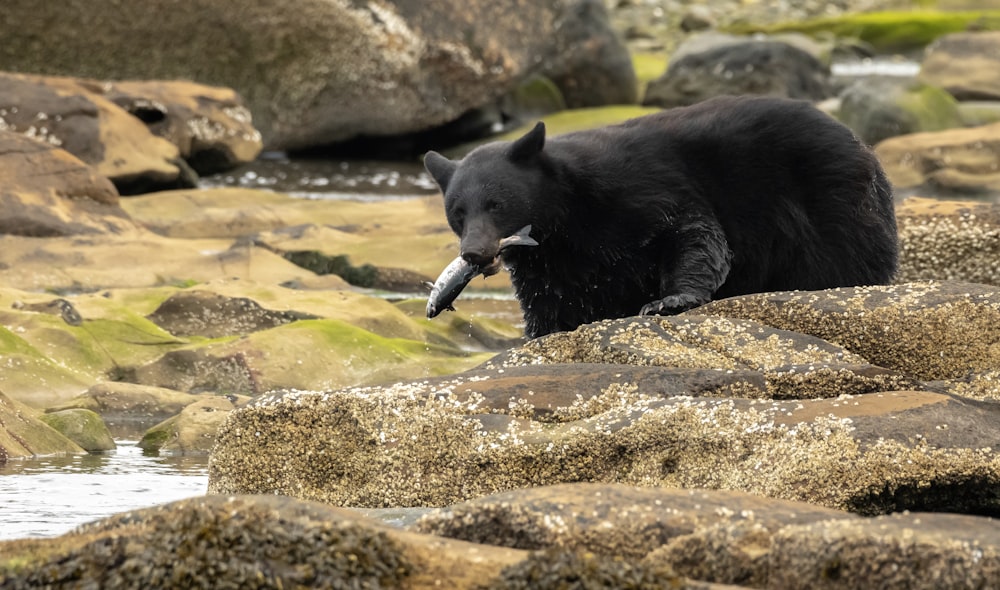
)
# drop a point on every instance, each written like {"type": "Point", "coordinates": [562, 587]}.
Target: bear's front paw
{"type": "Point", "coordinates": [672, 304]}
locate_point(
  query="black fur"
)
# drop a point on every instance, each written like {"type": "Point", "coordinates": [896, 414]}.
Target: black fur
{"type": "Point", "coordinates": [666, 212]}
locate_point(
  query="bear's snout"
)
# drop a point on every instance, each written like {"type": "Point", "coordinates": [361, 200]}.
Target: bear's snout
{"type": "Point", "coordinates": [478, 256]}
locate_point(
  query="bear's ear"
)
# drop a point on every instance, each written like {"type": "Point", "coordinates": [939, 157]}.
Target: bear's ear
{"type": "Point", "coordinates": [530, 145]}
{"type": "Point", "coordinates": [440, 168]}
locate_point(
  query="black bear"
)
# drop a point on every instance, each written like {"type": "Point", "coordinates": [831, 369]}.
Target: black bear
{"type": "Point", "coordinates": [666, 212]}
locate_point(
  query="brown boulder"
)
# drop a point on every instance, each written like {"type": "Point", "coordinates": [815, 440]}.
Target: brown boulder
{"type": "Point", "coordinates": [73, 114]}
{"type": "Point", "coordinates": [192, 431]}
{"type": "Point", "coordinates": [965, 64]}
{"type": "Point", "coordinates": [210, 125]}
{"type": "Point", "coordinates": [958, 161]}
{"type": "Point", "coordinates": [46, 191]}
{"type": "Point", "coordinates": [130, 409]}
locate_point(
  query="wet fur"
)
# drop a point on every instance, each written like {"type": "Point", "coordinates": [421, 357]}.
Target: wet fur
{"type": "Point", "coordinates": [669, 211]}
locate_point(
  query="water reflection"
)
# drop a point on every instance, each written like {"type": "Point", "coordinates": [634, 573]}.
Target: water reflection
{"type": "Point", "coordinates": [48, 496]}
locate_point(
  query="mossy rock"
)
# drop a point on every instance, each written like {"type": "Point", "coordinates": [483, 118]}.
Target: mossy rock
{"type": "Point", "coordinates": [308, 354]}
{"type": "Point", "coordinates": [84, 427]}
{"type": "Point", "coordinates": [192, 431]}
{"type": "Point", "coordinates": [886, 32]}
{"type": "Point", "coordinates": [880, 109]}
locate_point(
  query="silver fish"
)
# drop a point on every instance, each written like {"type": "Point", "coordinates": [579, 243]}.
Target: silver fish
{"type": "Point", "coordinates": [459, 273]}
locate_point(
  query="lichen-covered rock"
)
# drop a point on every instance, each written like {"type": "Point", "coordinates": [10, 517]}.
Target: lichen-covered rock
{"type": "Point", "coordinates": [965, 64]}
{"type": "Point", "coordinates": [83, 427]}
{"type": "Point", "coordinates": [928, 330]}
{"type": "Point", "coordinates": [49, 192]}
{"type": "Point", "coordinates": [955, 161]}
{"type": "Point", "coordinates": [916, 550]}
{"type": "Point", "coordinates": [192, 431]}
{"type": "Point", "coordinates": [73, 114]}
{"type": "Point", "coordinates": [22, 434]}
{"type": "Point", "coordinates": [948, 241]}
{"type": "Point", "coordinates": [332, 71]}
{"type": "Point", "coordinates": [247, 542]}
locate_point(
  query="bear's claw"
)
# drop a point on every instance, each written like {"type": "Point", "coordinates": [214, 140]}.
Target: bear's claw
{"type": "Point", "coordinates": [672, 305]}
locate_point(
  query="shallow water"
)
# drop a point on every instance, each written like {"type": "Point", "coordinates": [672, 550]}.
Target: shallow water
{"type": "Point", "coordinates": [48, 496]}
{"type": "Point", "coordinates": [319, 178]}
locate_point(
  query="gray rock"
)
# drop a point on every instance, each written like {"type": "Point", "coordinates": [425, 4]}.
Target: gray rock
{"type": "Point", "coordinates": [748, 66]}
{"type": "Point", "coordinates": [325, 72]}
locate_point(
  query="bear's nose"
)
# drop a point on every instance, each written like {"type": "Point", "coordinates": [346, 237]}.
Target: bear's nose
{"type": "Point", "coordinates": [477, 257]}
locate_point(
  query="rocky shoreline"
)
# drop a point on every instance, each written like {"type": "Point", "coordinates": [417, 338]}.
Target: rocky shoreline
{"type": "Point", "coordinates": [829, 439]}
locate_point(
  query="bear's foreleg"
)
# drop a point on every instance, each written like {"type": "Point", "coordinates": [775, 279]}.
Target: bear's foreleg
{"type": "Point", "coordinates": [695, 269]}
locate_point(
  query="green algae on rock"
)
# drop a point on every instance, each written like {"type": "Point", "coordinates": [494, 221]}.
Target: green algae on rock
{"type": "Point", "coordinates": [83, 427]}
{"type": "Point", "coordinates": [886, 31]}
{"type": "Point", "coordinates": [192, 430]}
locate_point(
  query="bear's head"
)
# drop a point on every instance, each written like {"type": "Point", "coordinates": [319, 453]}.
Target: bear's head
{"type": "Point", "coordinates": [493, 192]}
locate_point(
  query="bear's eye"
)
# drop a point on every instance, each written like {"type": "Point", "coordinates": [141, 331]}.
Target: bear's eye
{"type": "Point", "coordinates": [492, 205]}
